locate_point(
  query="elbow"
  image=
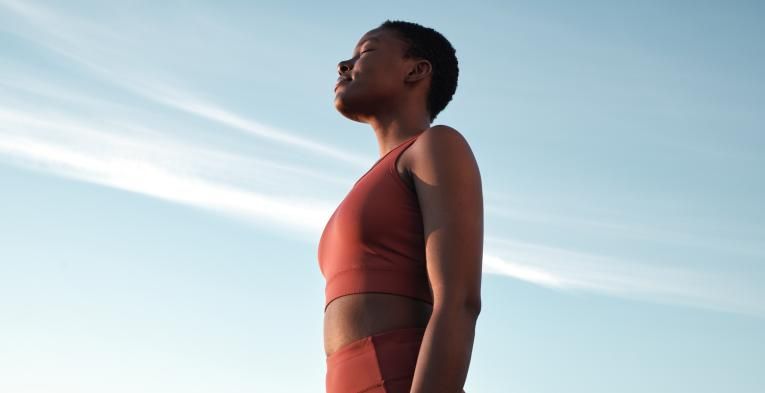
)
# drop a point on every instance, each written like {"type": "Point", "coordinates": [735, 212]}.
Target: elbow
{"type": "Point", "coordinates": [468, 306]}
{"type": "Point", "coordinates": [473, 306]}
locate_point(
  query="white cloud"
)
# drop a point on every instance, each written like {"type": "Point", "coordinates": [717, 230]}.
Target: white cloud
{"type": "Point", "coordinates": [159, 166]}
{"type": "Point", "coordinates": [77, 151]}
{"type": "Point", "coordinates": [90, 46]}
{"type": "Point", "coordinates": [564, 269]}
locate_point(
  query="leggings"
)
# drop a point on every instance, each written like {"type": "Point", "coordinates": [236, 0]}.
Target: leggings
{"type": "Point", "coordinates": [380, 363]}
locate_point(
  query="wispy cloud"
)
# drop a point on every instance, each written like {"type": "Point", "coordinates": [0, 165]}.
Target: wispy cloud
{"type": "Point", "coordinates": [78, 151]}
{"type": "Point", "coordinates": [73, 147]}
{"type": "Point", "coordinates": [568, 270]}
{"type": "Point", "coordinates": [211, 111]}
{"type": "Point", "coordinates": [83, 153]}
{"type": "Point", "coordinates": [67, 38]}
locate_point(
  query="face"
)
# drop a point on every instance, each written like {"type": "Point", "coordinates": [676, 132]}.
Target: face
{"type": "Point", "coordinates": [373, 77]}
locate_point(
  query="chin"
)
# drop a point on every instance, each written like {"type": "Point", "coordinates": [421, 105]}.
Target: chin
{"type": "Point", "coordinates": [346, 110]}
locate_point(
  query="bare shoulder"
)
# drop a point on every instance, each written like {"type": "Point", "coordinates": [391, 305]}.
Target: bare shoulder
{"type": "Point", "coordinates": [440, 151]}
{"type": "Point", "coordinates": [441, 133]}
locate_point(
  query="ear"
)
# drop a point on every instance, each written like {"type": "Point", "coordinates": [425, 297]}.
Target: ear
{"type": "Point", "coordinates": [419, 70]}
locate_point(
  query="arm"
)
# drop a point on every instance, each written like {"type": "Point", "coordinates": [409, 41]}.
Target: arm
{"type": "Point", "coordinates": [448, 186]}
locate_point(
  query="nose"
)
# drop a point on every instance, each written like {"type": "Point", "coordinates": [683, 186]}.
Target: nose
{"type": "Point", "coordinates": [343, 67]}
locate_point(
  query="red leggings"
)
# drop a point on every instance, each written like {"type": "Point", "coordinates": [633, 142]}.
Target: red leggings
{"type": "Point", "coordinates": [381, 363]}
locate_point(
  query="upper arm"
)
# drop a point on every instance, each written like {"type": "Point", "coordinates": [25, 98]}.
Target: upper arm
{"type": "Point", "coordinates": [448, 184]}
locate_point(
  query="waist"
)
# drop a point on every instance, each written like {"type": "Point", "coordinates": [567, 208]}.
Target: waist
{"type": "Point", "coordinates": [409, 283]}
{"type": "Point", "coordinates": [352, 317]}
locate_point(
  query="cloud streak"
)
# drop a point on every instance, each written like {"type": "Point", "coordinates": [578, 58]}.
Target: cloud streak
{"type": "Point", "coordinates": [83, 153]}
{"type": "Point", "coordinates": [568, 270]}
{"type": "Point", "coordinates": [71, 147]}
{"type": "Point", "coordinates": [65, 37]}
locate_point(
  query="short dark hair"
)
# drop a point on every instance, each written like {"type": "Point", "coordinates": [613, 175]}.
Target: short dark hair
{"type": "Point", "coordinates": [426, 43]}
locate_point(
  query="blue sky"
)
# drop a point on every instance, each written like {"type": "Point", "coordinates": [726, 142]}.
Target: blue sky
{"type": "Point", "coordinates": [167, 168]}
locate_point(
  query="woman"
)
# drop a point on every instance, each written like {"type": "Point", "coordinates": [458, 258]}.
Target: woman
{"type": "Point", "coordinates": [402, 252]}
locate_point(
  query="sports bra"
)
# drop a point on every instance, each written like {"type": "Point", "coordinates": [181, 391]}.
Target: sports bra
{"type": "Point", "coordinates": [374, 240]}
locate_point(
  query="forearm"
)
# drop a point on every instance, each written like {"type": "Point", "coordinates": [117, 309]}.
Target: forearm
{"type": "Point", "coordinates": [444, 358]}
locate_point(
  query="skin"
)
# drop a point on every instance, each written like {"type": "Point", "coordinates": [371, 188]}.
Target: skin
{"type": "Point", "coordinates": [388, 92]}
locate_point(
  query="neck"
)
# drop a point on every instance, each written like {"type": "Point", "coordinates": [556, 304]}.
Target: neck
{"type": "Point", "coordinates": [394, 127]}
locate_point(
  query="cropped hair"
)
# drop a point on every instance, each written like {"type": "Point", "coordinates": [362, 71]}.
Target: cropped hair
{"type": "Point", "coordinates": [426, 43]}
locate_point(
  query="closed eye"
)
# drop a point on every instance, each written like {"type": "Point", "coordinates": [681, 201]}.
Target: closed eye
{"type": "Point", "coordinates": [361, 53]}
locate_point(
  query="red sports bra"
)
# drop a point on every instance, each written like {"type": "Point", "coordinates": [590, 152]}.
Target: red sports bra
{"type": "Point", "coordinates": [374, 240]}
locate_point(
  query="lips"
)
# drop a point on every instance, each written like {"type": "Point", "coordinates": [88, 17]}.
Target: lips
{"type": "Point", "coordinates": [340, 81]}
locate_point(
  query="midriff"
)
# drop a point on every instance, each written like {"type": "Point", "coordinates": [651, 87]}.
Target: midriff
{"type": "Point", "coordinates": [353, 317]}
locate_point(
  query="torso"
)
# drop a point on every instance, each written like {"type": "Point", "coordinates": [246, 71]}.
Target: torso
{"type": "Point", "coordinates": [352, 317]}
